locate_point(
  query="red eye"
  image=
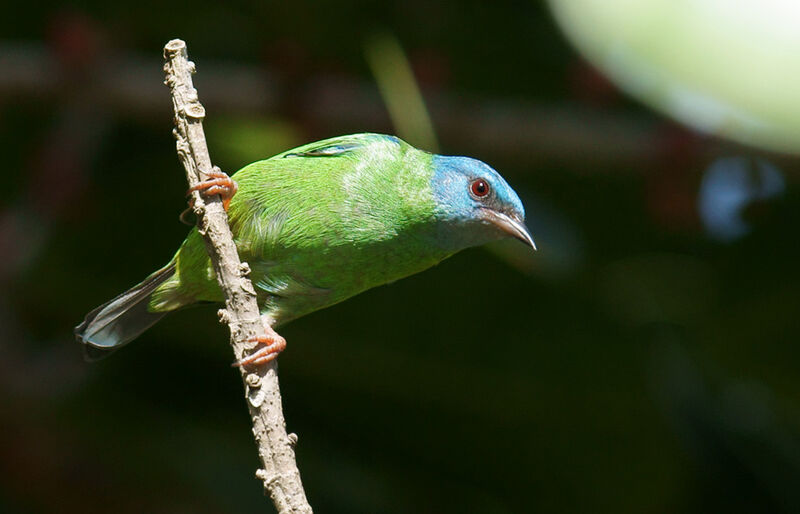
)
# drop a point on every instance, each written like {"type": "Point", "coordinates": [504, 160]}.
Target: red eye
{"type": "Point", "coordinates": [479, 188]}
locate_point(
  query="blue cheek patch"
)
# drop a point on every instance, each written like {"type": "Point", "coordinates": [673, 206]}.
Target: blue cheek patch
{"type": "Point", "coordinates": [449, 186]}
{"type": "Point", "coordinates": [450, 183]}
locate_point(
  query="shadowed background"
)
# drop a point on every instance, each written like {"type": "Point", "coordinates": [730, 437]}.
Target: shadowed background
{"type": "Point", "coordinates": [644, 360]}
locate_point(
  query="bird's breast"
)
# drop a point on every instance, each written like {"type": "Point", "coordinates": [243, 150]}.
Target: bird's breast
{"type": "Point", "coordinates": [311, 278]}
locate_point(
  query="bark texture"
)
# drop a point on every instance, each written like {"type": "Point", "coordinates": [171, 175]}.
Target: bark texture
{"type": "Point", "coordinates": [279, 472]}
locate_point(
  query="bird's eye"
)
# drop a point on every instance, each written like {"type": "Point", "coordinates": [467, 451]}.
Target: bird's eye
{"type": "Point", "coordinates": [479, 188]}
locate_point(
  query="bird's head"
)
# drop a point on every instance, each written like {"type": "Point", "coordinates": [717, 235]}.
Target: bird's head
{"type": "Point", "coordinates": [472, 195]}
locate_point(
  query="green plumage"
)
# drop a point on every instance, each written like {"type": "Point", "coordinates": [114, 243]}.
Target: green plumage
{"type": "Point", "coordinates": [317, 227]}
{"type": "Point", "coordinates": [323, 222]}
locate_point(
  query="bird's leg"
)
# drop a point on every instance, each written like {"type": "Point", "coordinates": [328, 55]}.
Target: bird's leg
{"type": "Point", "coordinates": [217, 183]}
{"type": "Point", "coordinates": [275, 344]}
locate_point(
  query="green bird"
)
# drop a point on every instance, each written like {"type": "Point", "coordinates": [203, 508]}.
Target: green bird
{"type": "Point", "coordinates": [319, 224]}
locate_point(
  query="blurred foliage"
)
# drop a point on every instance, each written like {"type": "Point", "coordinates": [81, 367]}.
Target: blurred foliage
{"type": "Point", "coordinates": [634, 364]}
{"type": "Point", "coordinates": [727, 68]}
{"type": "Point", "coordinates": [400, 91]}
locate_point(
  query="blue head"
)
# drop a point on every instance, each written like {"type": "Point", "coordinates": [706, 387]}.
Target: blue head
{"type": "Point", "coordinates": [476, 203]}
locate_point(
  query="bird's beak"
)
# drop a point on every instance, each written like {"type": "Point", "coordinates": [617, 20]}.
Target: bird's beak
{"type": "Point", "coordinates": [513, 226]}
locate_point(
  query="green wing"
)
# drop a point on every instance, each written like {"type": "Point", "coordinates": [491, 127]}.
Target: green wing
{"type": "Point", "coordinates": [336, 146]}
{"type": "Point", "coordinates": [316, 224]}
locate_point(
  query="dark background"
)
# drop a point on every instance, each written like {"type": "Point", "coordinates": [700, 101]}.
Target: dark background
{"type": "Point", "coordinates": [639, 362]}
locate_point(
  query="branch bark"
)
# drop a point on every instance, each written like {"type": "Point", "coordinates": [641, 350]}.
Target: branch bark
{"type": "Point", "coordinates": [279, 472]}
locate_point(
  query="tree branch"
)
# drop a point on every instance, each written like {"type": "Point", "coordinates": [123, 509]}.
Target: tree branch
{"type": "Point", "coordinates": [275, 448]}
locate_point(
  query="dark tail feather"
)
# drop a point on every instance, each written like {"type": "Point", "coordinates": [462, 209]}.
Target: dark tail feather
{"type": "Point", "coordinates": [122, 319]}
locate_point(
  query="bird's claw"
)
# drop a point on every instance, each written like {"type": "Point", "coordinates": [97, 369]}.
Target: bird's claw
{"type": "Point", "coordinates": [275, 344]}
{"type": "Point", "coordinates": [217, 183]}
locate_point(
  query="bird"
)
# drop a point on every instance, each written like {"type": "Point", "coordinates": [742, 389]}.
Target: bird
{"type": "Point", "coordinates": [319, 224]}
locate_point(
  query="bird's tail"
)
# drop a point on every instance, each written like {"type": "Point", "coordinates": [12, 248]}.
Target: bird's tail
{"type": "Point", "coordinates": [121, 320]}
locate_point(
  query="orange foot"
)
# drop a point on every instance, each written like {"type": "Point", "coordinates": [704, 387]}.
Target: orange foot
{"type": "Point", "coordinates": [217, 183]}
{"type": "Point", "coordinates": [275, 344]}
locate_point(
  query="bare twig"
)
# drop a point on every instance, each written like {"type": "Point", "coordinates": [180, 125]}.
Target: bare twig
{"type": "Point", "coordinates": [276, 449]}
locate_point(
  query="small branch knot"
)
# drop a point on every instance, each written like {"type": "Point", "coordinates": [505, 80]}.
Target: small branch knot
{"type": "Point", "coordinates": [224, 316]}
{"type": "Point", "coordinates": [293, 439]}
{"type": "Point", "coordinates": [174, 46]}
{"type": "Point", "coordinates": [256, 395]}
{"type": "Point", "coordinates": [244, 269]}
{"type": "Point", "coordinates": [254, 381]}
{"type": "Point", "coordinates": [261, 474]}
{"type": "Point", "coordinates": [194, 111]}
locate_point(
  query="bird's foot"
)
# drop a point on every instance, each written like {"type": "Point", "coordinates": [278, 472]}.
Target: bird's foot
{"type": "Point", "coordinates": [275, 344]}
{"type": "Point", "coordinates": [217, 183]}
